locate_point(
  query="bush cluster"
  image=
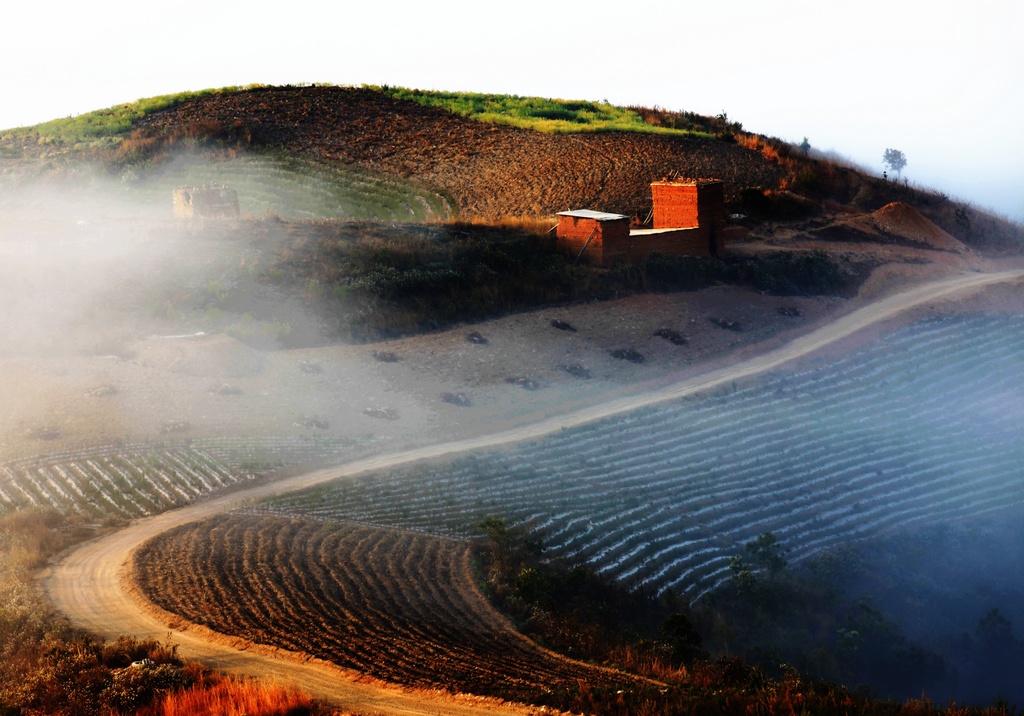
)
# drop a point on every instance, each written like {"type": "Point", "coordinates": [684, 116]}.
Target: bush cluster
{"type": "Point", "coordinates": [371, 281]}
{"type": "Point", "coordinates": [768, 614]}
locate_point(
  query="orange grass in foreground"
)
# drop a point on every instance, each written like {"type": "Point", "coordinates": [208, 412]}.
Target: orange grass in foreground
{"type": "Point", "coordinates": [233, 697]}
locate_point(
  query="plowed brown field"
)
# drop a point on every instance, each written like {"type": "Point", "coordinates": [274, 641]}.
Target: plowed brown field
{"type": "Point", "coordinates": [491, 171]}
{"type": "Point", "coordinates": [398, 606]}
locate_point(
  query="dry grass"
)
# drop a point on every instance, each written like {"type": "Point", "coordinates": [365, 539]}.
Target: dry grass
{"type": "Point", "coordinates": [233, 697]}
{"type": "Point", "coordinates": [537, 225]}
{"type": "Point", "coordinates": [28, 537]}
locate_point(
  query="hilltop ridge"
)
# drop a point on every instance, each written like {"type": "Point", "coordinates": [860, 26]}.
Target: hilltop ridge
{"type": "Point", "coordinates": [469, 151]}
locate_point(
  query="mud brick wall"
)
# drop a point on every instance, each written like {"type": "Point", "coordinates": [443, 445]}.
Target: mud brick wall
{"type": "Point", "coordinates": [698, 204]}
{"type": "Point", "coordinates": [680, 242]}
{"type": "Point", "coordinates": [684, 205]}
{"type": "Point", "coordinates": [610, 238]}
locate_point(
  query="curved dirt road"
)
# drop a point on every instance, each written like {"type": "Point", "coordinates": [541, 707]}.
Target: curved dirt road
{"type": "Point", "coordinates": [86, 584]}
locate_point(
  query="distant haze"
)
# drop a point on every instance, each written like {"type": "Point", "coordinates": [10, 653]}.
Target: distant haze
{"type": "Point", "coordinates": [937, 82]}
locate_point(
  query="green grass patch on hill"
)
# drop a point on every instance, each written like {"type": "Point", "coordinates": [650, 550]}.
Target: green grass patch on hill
{"type": "Point", "coordinates": [537, 113]}
{"type": "Point", "coordinates": [105, 126]}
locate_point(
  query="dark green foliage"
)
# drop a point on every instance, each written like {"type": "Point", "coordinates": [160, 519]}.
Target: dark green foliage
{"type": "Point", "coordinates": [370, 280]}
{"type": "Point", "coordinates": [895, 160]}
{"type": "Point", "coordinates": [794, 274]}
{"type": "Point", "coordinates": [682, 638]}
{"type": "Point", "coordinates": [571, 609]}
{"type": "Point", "coordinates": [568, 606]}
{"type": "Point", "coordinates": [773, 615]}
{"type": "Point", "coordinates": [684, 273]}
{"type": "Point", "coordinates": [767, 553]}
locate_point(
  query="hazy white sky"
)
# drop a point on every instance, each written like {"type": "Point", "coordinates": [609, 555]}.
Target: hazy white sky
{"type": "Point", "coordinates": [942, 81]}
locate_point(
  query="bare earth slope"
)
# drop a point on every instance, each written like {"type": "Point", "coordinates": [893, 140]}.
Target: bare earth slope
{"type": "Point", "coordinates": [400, 606]}
{"type": "Point", "coordinates": [86, 584]}
{"type": "Point", "coordinates": [490, 170]}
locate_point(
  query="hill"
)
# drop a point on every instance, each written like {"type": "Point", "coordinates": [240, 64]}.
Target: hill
{"type": "Point", "coordinates": [598, 156]}
{"type": "Point", "coordinates": [491, 170]}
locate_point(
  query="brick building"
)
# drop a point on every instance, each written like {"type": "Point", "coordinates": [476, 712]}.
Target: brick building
{"type": "Point", "coordinates": [595, 236]}
{"type": "Point", "coordinates": [205, 202]}
{"type": "Point", "coordinates": [689, 220]}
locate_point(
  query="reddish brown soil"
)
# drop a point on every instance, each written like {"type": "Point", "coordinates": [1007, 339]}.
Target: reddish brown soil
{"type": "Point", "coordinates": [490, 170]}
{"type": "Point", "coordinates": [398, 606]}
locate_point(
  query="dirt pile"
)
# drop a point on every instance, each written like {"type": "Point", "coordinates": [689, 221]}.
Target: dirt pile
{"type": "Point", "coordinates": [903, 223]}
{"type": "Point", "coordinates": [491, 171]}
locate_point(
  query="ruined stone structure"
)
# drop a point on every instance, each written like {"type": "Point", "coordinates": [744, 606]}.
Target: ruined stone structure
{"type": "Point", "coordinates": [212, 201]}
{"type": "Point", "coordinates": [689, 220]}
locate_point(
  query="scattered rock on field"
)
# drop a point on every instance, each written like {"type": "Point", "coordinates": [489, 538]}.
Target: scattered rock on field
{"type": "Point", "coordinates": [476, 338]}
{"type": "Point", "coordinates": [674, 337]}
{"type": "Point", "coordinates": [384, 413]}
{"type": "Point", "coordinates": [175, 426]}
{"type": "Point", "coordinates": [727, 323]}
{"type": "Point", "coordinates": [225, 389]}
{"type": "Point", "coordinates": [524, 383]}
{"type": "Point", "coordinates": [562, 325]}
{"type": "Point", "coordinates": [385, 356]}
{"type": "Point", "coordinates": [576, 370]}
{"type": "Point", "coordinates": [460, 399]}
{"type": "Point", "coordinates": [44, 433]}
{"type": "Point", "coordinates": [310, 367]}
{"type": "Point", "coordinates": [627, 354]}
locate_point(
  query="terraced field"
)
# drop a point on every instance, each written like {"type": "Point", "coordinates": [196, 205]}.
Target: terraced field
{"type": "Point", "coordinates": [120, 483]}
{"type": "Point", "coordinates": [925, 426]}
{"type": "Point", "coordinates": [301, 188]}
{"type": "Point", "coordinates": [398, 606]}
{"type": "Point", "coordinates": [139, 480]}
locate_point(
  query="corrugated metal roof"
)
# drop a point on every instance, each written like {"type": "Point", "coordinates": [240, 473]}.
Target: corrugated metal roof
{"type": "Point", "coordinates": [590, 214]}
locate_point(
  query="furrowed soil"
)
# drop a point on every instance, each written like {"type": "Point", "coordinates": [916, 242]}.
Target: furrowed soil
{"type": "Point", "coordinates": [399, 606]}
{"type": "Point", "coordinates": [491, 171]}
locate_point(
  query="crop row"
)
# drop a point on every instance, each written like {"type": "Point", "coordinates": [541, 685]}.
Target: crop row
{"type": "Point", "coordinates": [395, 605]}
{"type": "Point", "coordinates": [924, 426]}
{"type": "Point", "coordinates": [298, 188]}
{"type": "Point", "coordinates": [139, 480]}
{"type": "Point", "coordinates": [115, 482]}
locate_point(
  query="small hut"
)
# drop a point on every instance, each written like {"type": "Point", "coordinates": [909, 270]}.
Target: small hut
{"type": "Point", "coordinates": [692, 204]}
{"type": "Point", "coordinates": [594, 236]}
{"type": "Point", "coordinates": [689, 220]}
{"type": "Point", "coordinates": [208, 201]}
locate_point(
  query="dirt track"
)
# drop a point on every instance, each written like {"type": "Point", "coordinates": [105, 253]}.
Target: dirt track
{"type": "Point", "coordinates": [86, 583]}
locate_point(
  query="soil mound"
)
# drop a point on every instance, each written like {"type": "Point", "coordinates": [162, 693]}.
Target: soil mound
{"type": "Point", "coordinates": [904, 223]}
{"type": "Point", "coordinates": [212, 356]}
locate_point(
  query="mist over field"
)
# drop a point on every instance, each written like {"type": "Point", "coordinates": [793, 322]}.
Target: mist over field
{"type": "Point", "coordinates": [956, 588]}
{"type": "Point", "coordinates": [856, 513]}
